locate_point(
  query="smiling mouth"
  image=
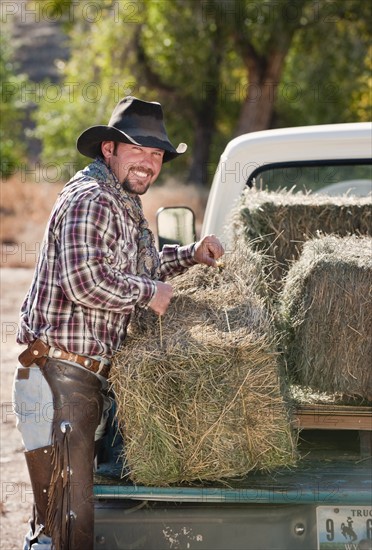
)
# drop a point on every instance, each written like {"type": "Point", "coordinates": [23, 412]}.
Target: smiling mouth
{"type": "Point", "coordinates": [141, 173]}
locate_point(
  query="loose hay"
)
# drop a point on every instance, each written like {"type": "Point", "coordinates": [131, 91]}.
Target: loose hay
{"type": "Point", "coordinates": [280, 222]}
{"type": "Point", "coordinates": [198, 393]}
{"type": "Point", "coordinates": [326, 307]}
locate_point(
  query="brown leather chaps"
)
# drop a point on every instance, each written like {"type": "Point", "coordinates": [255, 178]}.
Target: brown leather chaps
{"type": "Point", "coordinates": [78, 403]}
{"type": "Point", "coordinates": [39, 464]}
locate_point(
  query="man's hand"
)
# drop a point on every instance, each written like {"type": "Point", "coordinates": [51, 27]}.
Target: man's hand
{"type": "Point", "coordinates": [208, 250]}
{"type": "Point", "coordinates": [160, 301]}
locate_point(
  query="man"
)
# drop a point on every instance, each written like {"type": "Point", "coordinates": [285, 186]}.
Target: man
{"type": "Point", "coordinates": [97, 264]}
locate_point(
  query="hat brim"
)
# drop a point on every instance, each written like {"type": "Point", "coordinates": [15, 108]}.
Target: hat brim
{"type": "Point", "coordinates": [89, 142]}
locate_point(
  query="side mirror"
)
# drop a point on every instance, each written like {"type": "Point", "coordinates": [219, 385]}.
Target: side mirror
{"type": "Point", "coordinates": [175, 225]}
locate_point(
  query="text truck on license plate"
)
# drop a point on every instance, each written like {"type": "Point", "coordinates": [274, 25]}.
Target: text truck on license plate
{"type": "Point", "coordinates": [344, 527]}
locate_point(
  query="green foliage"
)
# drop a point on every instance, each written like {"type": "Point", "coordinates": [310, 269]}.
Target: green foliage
{"type": "Point", "coordinates": [12, 149]}
{"type": "Point", "coordinates": [327, 74]}
{"type": "Point", "coordinates": [361, 105]}
{"type": "Point", "coordinates": [95, 77]}
{"type": "Point", "coordinates": [199, 76]}
{"type": "Point", "coordinates": [180, 41]}
{"type": "Point", "coordinates": [197, 58]}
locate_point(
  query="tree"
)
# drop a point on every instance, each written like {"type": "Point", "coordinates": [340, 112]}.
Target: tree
{"type": "Point", "coordinates": [12, 150]}
{"type": "Point", "coordinates": [262, 33]}
{"type": "Point", "coordinates": [287, 38]}
{"type": "Point", "coordinates": [268, 39]}
{"type": "Point", "coordinates": [95, 77]}
{"type": "Point", "coordinates": [175, 42]}
{"type": "Point", "coordinates": [336, 85]}
{"type": "Point", "coordinates": [222, 67]}
{"type": "Point", "coordinates": [157, 57]}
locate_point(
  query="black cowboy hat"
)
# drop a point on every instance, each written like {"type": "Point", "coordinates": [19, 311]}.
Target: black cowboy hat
{"type": "Point", "coordinates": [132, 121]}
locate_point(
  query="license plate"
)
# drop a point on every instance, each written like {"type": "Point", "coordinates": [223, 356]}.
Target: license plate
{"type": "Point", "coordinates": [344, 527]}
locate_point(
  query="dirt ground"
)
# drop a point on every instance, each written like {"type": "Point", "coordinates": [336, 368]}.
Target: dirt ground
{"type": "Point", "coordinates": [16, 495]}
{"type": "Point", "coordinates": [20, 237]}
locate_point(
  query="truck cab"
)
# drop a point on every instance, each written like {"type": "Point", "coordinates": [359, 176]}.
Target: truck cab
{"type": "Point", "coordinates": [323, 503]}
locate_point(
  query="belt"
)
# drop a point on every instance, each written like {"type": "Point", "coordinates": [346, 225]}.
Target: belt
{"type": "Point", "coordinates": [38, 352]}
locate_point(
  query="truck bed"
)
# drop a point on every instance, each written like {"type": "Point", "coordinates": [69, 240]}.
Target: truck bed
{"type": "Point", "coordinates": [316, 482]}
{"type": "Point", "coordinates": [276, 511]}
{"type": "Point", "coordinates": [302, 508]}
{"type": "Point", "coordinates": [331, 469]}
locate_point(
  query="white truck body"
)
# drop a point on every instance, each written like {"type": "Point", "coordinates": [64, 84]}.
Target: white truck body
{"type": "Point", "coordinates": [245, 154]}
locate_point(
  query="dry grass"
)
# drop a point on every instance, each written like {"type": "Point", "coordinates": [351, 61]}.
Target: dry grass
{"type": "Point", "coordinates": [326, 308]}
{"type": "Point", "coordinates": [304, 395]}
{"type": "Point", "coordinates": [198, 391]}
{"type": "Point", "coordinates": [25, 208]}
{"type": "Point", "coordinates": [280, 222]}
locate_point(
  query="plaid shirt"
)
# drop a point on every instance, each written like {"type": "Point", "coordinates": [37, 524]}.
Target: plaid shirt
{"type": "Point", "coordinates": [86, 284]}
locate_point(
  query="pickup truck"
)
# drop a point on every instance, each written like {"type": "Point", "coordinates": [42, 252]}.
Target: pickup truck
{"type": "Point", "coordinates": [325, 502]}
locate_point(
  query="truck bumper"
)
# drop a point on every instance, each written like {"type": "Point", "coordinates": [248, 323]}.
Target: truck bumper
{"type": "Point", "coordinates": [158, 526]}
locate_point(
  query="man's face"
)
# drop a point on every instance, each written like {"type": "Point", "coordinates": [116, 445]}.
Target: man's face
{"type": "Point", "coordinates": [136, 167]}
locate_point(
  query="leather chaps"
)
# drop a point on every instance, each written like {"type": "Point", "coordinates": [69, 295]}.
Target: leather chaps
{"type": "Point", "coordinates": [77, 403]}
{"type": "Point", "coordinates": [39, 464]}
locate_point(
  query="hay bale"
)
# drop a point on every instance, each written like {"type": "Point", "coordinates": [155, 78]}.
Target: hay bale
{"type": "Point", "coordinates": [198, 393]}
{"type": "Point", "coordinates": [326, 312]}
{"type": "Point", "coordinates": [303, 395]}
{"type": "Point", "coordinates": [280, 222]}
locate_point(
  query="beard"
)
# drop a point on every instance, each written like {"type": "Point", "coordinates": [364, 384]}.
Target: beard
{"type": "Point", "coordinates": [136, 186]}
{"type": "Point", "coordinates": [134, 189]}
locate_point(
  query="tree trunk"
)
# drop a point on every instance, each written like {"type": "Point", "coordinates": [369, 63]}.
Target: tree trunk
{"type": "Point", "coordinates": [258, 107]}
{"type": "Point", "coordinates": [205, 127]}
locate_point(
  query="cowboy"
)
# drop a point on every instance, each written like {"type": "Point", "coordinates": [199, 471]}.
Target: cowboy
{"type": "Point", "coordinates": [98, 262]}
